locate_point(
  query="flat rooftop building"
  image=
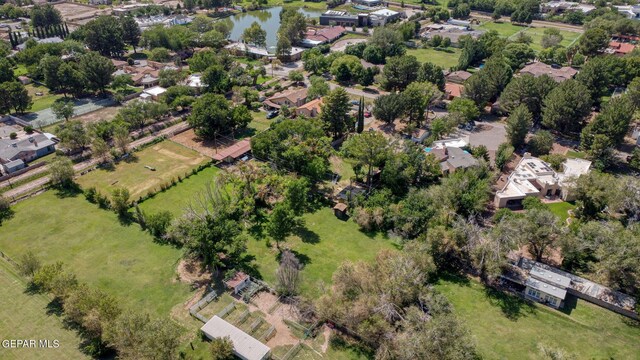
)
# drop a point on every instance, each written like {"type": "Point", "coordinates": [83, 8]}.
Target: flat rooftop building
{"type": "Point", "coordinates": [245, 346]}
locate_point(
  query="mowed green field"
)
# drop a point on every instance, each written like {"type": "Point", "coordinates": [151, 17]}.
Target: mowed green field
{"type": "Point", "coordinates": [322, 245]}
{"type": "Point", "coordinates": [506, 29]}
{"type": "Point", "coordinates": [24, 316]}
{"type": "Point", "coordinates": [121, 260]}
{"type": "Point", "coordinates": [169, 159]}
{"type": "Point", "coordinates": [506, 327]}
{"type": "Point", "coordinates": [442, 58]}
{"type": "Point", "coordinates": [561, 209]}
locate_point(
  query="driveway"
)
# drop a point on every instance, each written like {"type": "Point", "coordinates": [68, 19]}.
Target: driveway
{"type": "Point", "coordinates": [342, 44]}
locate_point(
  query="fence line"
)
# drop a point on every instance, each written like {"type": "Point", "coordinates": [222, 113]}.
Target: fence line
{"type": "Point", "coordinates": [194, 310]}
{"type": "Point", "coordinates": [227, 309]}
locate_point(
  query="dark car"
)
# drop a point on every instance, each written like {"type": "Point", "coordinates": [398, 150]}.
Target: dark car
{"type": "Point", "coordinates": [355, 102]}
{"type": "Point", "coordinates": [272, 114]}
{"type": "Point", "coordinates": [370, 90]}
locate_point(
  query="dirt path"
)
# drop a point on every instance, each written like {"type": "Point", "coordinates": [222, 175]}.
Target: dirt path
{"type": "Point", "coordinates": [15, 193]}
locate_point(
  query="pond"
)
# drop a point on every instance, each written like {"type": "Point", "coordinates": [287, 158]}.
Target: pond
{"type": "Point", "coordinates": [269, 19]}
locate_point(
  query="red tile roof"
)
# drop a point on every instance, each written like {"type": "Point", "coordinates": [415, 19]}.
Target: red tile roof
{"type": "Point", "coordinates": [453, 90]}
{"type": "Point", "coordinates": [621, 48]}
{"type": "Point", "coordinates": [325, 34]}
{"type": "Point", "coordinates": [234, 151]}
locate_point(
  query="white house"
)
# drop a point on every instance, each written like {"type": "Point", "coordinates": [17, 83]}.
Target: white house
{"type": "Point", "coordinates": [383, 16]}
{"type": "Point", "coordinates": [245, 346]}
{"type": "Point", "coordinates": [546, 287]}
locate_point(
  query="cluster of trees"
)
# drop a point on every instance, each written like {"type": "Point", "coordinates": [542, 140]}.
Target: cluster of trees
{"type": "Point", "coordinates": [411, 103]}
{"type": "Point", "coordinates": [88, 72]}
{"type": "Point", "coordinates": [214, 115]}
{"type": "Point", "coordinates": [389, 305]}
{"type": "Point", "coordinates": [99, 317]}
{"type": "Point", "coordinates": [109, 35]}
{"type": "Point", "coordinates": [293, 26]}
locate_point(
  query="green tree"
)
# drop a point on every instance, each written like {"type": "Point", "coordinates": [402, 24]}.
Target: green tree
{"type": "Point", "coordinates": [6, 71]}
{"type": "Point", "coordinates": [255, 35]}
{"type": "Point", "coordinates": [281, 223]}
{"type": "Point", "coordinates": [120, 201]}
{"type": "Point", "coordinates": [551, 38]}
{"type": "Point", "coordinates": [518, 124]}
{"type": "Point", "coordinates": [335, 113]}
{"type": "Point", "coordinates": [130, 31]}
{"type": "Point", "coordinates": [14, 96]}
{"type": "Point", "coordinates": [101, 150]}
{"type": "Point", "coordinates": [503, 155]}
{"type": "Point", "coordinates": [62, 172]}
{"type": "Point", "coordinates": [45, 16]}
{"type": "Point", "coordinates": [73, 135]}
{"type": "Point", "coordinates": [97, 70]}
{"type": "Point", "coordinates": [54, 279]}
{"type": "Point", "coordinates": [466, 108]}
{"type": "Point", "coordinates": [319, 87]}
{"type": "Point", "coordinates": [389, 41]}
{"type": "Point", "coordinates": [104, 35]}
{"type": "Point", "coordinates": [566, 107]}
{"type": "Point", "coordinates": [613, 122]}
{"type": "Point", "coordinates": [417, 98]}
{"type": "Point", "coordinates": [433, 74]}
{"type": "Point", "coordinates": [527, 90]}
{"type": "Point", "coordinates": [217, 79]}
{"type": "Point", "coordinates": [388, 107]}
{"type": "Point", "coordinates": [601, 151]}
{"type": "Point", "coordinates": [5, 209]}
{"type": "Point", "coordinates": [346, 68]}
{"type": "Point", "coordinates": [593, 41]}
{"type": "Point", "coordinates": [399, 72]}
{"type": "Point", "coordinates": [369, 149]}
{"type": "Point", "coordinates": [296, 76]}
{"type": "Point", "coordinates": [29, 263]}
{"type": "Point", "coordinates": [212, 115]}
{"type": "Point", "coordinates": [541, 143]}
{"type": "Point", "coordinates": [222, 349]}
{"type": "Point", "coordinates": [517, 55]}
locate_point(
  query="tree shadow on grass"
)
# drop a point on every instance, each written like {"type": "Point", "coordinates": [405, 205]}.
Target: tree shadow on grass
{"type": "Point", "coordinates": [340, 343]}
{"type": "Point", "coordinates": [449, 277]}
{"type": "Point", "coordinates": [307, 236]}
{"type": "Point", "coordinates": [303, 258]}
{"type": "Point", "coordinates": [512, 306]}
{"type": "Point", "coordinates": [54, 307]}
{"type": "Point", "coordinates": [68, 191]}
{"type": "Point", "coordinates": [132, 158]}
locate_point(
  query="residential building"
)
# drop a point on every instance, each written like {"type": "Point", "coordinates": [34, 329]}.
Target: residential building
{"type": "Point", "coordinates": [452, 158]}
{"type": "Point", "coordinates": [564, 6]}
{"type": "Point", "coordinates": [557, 73]}
{"type": "Point", "coordinates": [153, 93]}
{"type": "Point", "coordinates": [322, 36]}
{"type": "Point", "coordinates": [242, 49]}
{"type": "Point", "coordinates": [194, 81]}
{"type": "Point", "coordinates": [458, 77]}
{"type": "Point", "coordinates": [343, 18]}
{"type": "Point", "coordinates": [453, 90]}
{"type": "Point", "coordinates": [450, 31]}
{"type": "Point", "coordinates": [619, 48]}
{"type": "Point", "coordinates": [310, 109]}
{"type": "Point", "coordinates": [239, 150]}
{"type": "Point", "coordinates": [546, 287]}
{"type": "Point", "coordinates": [15, 154]}
{"type": "Point", "coordinates": [534, 177]}
{"type": "Point", "coordinates": [370, 3]}
{"type": "Point", "coordinates": [419, 135]}
{"type": "Point", "coordinates": [50, 40]}
{"type": "Point", "coordinates": [630, 11]}
{"type": "Point", "coordinates": [384, 16]}
{"type": "Point", "coordinates": [290, 98]}
{"type": "Point", "coordinates": [100, 2]}
{"type": "Point", "coordinates": [245, 346]}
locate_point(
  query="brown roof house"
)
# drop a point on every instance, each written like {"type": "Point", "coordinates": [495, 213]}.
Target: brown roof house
{"type": "Point", "coordinates": [310, 109]}
{"type": "Point", "coordinates": [458, 77]}
{"type": "Point", "coordinates": [290, 98]}
{"type": "Point", "coordinates": [453, 158]}
{"type": "Point", "coordinates": [557, 73]}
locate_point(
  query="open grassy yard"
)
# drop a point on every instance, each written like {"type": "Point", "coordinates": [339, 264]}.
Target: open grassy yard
{"type": "Point", "coordinates": [169, 159]}
{"type": "Point", "coordinates": [177, 198]}
{"type": "Point", "coordinates": [41, 102]}
{"type": "Point", "coordinates": [506, 29]}
{"type": "Point", "coordinates": [506, 327]}
{"type": "Point", "coordinates": [259, 122]}
{"type": "Point", "coordinates": [122, 260]}
{"type": "Point", "coordinates": [561, 209]}
{"type": "Point", "coordinates": [321, 245]}
{"type": "Point", "coordinates": [25, 316]}
{"type": "Point", "coordinates": [443, 58]}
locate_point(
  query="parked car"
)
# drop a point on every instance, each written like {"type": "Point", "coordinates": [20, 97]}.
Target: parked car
{"type": "Point", "coordinates": [355, 102]}
{"type": "Point", "coordinates": [367, 114]}
{"type": "Point", "coordinates": [371, 90]}
{"type": "Point", "coordinates": [272, 114]}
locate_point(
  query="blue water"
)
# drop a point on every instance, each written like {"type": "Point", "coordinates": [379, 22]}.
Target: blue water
{"type": "Point", "coordinates": [427, 149]}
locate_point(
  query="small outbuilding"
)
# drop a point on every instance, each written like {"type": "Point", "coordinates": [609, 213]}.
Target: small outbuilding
{"type": "Point", "coordinates": [237, 282]}
{"type": "Point", "coordinates": [340, 211]}
{"type": "Point", "coordinates": [245, 346]}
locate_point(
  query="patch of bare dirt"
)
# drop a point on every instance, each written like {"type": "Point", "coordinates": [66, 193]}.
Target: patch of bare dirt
{"type": "Point", "coordinates": [192, 272]}
{"type": "Point", "coordinates": [107, 113]}
{"type": "Point", "coordinates": [264, 301]}
{"type": "Point", "coordinates": [205, 147]}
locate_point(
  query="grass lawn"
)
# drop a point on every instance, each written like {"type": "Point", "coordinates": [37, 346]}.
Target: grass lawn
{"type": "Point", "coordinates": [321, 245]}
{"type": "Point", "coordinates": [263, 79]}
{"type": "Point", "coordinates": [442, 58]}
{"type": "Point", "coordinates": [560, 209]}
{"type": "Point", "coordinates": [20, 70]}
{"type": "Point", "coordinates": [506, 327]}
{"type": "Point", "coordinates": [25, 317]}
{"type": "Point", "coordinates": [259, 121]}
{"type": "Point", "coordinates": [122, 260]}
{"type": "Point", "coordinates": [177, 198]}
{"type": "Point", "coordinates": [45, 100]}
{"type": "Point", "coordinates": [169, 159]}
{"type": "Point", "coordinates": [576, 154]}
{"type": "Point", "coordinates": [506, 29]}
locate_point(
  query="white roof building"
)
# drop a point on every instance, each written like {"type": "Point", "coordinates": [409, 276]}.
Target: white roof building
{"type": "Point", "coordinates": [534, 177]}
{"type": "Point", "coordinates": [244, 345]}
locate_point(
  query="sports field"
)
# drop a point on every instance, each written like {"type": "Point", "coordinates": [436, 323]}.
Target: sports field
{"type": "Point", "coordinates": [168, 158]}
{"type": "Point", "coordinates": [119, 259]}
{"type": "Point", "coordinates": [508, 30]}
{"type": "Point", "coordinates": [24, 316]}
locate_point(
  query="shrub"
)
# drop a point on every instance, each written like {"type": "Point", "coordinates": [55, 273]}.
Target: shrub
{"type": "Point", "coordinates": [13, 136]}
{"type": "Point", "coordinates": [90, 194]}
{"type": "Point", "coordinates": [158, 223]}
{"type": "Point", "coordinates": [102, 201]}
{"type": "Point", "coordinates": [28, 129]}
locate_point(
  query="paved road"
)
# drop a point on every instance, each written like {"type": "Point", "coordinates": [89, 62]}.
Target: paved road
{"type": "Point", "coordinates": [38, 183]}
